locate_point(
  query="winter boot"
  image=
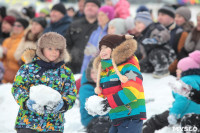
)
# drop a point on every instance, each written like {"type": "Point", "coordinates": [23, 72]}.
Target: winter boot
{"type": "Point", "coordinates": [192, 122]}
{"type": "Point", "coordinates": [156, 122]}
{"type": "Point", "coordinates": [160, 74]}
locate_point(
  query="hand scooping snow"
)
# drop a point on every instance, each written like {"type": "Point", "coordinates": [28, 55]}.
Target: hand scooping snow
{"type": "Point", "coordinates": [94, 106]}
{"type": "Point", "coordinates": [44, 96]}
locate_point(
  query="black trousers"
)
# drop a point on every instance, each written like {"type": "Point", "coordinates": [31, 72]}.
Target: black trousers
{"type": "Point", "coordinates": [26, 130]}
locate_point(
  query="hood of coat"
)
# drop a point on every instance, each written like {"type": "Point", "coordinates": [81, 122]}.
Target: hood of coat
{"type": "Point", "coordinates": [121, 53]}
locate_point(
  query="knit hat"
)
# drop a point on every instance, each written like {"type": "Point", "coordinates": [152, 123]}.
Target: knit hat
{"type": "Point", "coordinates": [29, 12]}
{"type": "Point", "coordinates": [108, 10]}
{"type": "Point", "coordinates": [23, 21]}
{"type": "Point", "coordinates": [59, 7]}
{"type": "Point", "coordinates": [144, 17]}
{"type": "Point", "coordinates": [142, 8]}
{"type": "Point", "coordinates": [97, 2]}
{"type": "Point", "coordinates": [111, 41]}
{"type": "Point", "coordinates": [40, 20]}
{"type": "Point", "coordinates": [45, 11]}
{"type": "Point", "coordinates": [52, 39]}
{"type": "Point", "coordinates": [167, 10]}
{"type": "Point", "coordinates": [190, 62]}
{"type": "Point", "coordinates": [185, 12]}
{"type": "Point", "coordinates": [10, 20]}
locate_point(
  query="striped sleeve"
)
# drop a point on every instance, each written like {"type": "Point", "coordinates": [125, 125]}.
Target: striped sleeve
{"type": "Point", "coordinates": [132, 89]}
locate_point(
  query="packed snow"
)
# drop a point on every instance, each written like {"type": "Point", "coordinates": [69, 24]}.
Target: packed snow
{"type": "Point", "coordinates": [44, 96]}
{"type": "Point", "coordinates": [157, 93]}
{"type": "Point", "coordinates": [94, 107]}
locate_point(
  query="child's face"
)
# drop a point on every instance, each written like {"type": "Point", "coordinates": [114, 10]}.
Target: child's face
{"type": "Point", "coordinates": [139, 26]}
{"type": "Point", "coordinates": [105, 52]}
{"type": "Point", "coordinates": [93, 75]}
{"type": "Point", "coordinates": [178, 73]}
{"type": "Point", "coordinates": [51, 53]}
{"type": "Point", "coordinates": [111, 29]}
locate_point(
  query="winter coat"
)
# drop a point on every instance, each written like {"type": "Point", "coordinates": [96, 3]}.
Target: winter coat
{"type": "Point", "coordinates": [180, 49]}
{"type": "Point", "coordinates": [77, 37]}
{"type": "Point", "coordinates": [93, 44]}
{"type": "Point", "coordinates": [189, 45]}
{"type": "Point", "coordinates": [122, 9]}
{"type": "Point", "coordinates": [60, 27]}
{"type": "Point", "coordinates": [157, 31]}
{"type": "Point", "coordinates": [60, 79]}
{"type": "Point", "coordinates": [182, 105]}
{"type": "Point", "coordinates": [194, 94]}
{"type": "Point", "coordinates": [28, 42]}
{"type": "Point", "coordinates": [126, 99]}
{"type": "Point", "coordinates": [175, 34]}
{"type": "Point", "coordinates": [86, 90]}
{"type": "Point", "coordinates": [10, 63]}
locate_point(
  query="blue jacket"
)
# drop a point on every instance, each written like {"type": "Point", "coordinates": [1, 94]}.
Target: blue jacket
{"type": "Point", "coordinates": [183, 105]}
{"type": "Point", "coordinates": [60, 26]}
{"type": "Point", "coordinates": [94, 41]}
{"type": "Point", "coordinates": [86, 90]}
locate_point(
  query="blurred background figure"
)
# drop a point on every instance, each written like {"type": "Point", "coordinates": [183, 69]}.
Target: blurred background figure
{"type": "Point", "coordinates": [70, 12]}
{"type": "Point", "coordinates": [6, 27]}
{"type": "Point", "coordinates": [105, 14]}
{"type": "Point", "coordinates": [80, 12]}
{"type": "Point", "coordinates": [30, 39]}
{"type": "Point", "coordinates": [9, 47]}
{"type": "Point", "coordinates": [121, 7]}
{"type": "Point", "coordinates": [60, 21]}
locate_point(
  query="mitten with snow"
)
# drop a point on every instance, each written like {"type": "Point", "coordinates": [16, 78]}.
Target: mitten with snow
{"type": "Point", "coordinates": [172, 119]}
{"type": "Point", "coordinates": [180, 87]}
{"type": "Point", "coordinates": [149, 41]}
{"type": "Point", "coordinates": [29, 105]}
{"type": "Point", "coordinates": [96, 105]}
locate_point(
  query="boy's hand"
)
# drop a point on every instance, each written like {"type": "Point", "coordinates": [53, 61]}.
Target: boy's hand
{"type": "Point", "coordinates": [29, 105]}
{"type": "Point", "coordinates": [56, 109]}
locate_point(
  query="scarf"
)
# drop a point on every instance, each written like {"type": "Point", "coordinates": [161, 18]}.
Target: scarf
{"type": "Point", "coordinates": [47, 65]}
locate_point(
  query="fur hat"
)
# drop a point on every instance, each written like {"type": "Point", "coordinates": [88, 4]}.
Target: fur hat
{"type": "Point", "coordinates": [190, 62]}
{"type": "Point", "coordinates": [108, 10]}
{"type": "Point", "coordinates": [40, 20]}
{"type": "Point", "coordinates": [185, 12]}
{"type": "Point", "coordinates": [167, 10]}
{"type": "Point", "coordinates": [10, 20]}
{"type": "Point", "coordinates": [59, 7]}
{"type": "Point", "coordinates": [52, 39]}
{"type": "Point", "coordinates": [23, 21]}
{"type": "Point", "coordinates": [97, 2]}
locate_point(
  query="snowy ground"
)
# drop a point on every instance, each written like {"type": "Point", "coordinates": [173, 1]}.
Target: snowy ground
{"type": "Point", "coordinates": [156, 89]}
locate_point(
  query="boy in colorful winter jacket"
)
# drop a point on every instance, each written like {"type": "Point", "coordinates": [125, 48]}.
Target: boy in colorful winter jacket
{"type": "Point", "coordinates": [121, 84]}
{"type": "Point", "coordinates": [46, 68]}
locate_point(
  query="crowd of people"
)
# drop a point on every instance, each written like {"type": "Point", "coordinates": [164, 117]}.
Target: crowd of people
{"type": "Point", "coordinates": [93, 42]}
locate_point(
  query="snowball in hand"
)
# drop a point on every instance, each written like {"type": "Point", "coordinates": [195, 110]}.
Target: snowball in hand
{"type": "Point", "coordinates": [94, 106]}
{"type": "Point", "coordinates": [44, 95]}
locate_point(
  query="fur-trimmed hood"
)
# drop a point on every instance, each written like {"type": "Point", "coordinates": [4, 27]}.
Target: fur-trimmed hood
{"type": "Point", "coordinates": [122, 52]}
